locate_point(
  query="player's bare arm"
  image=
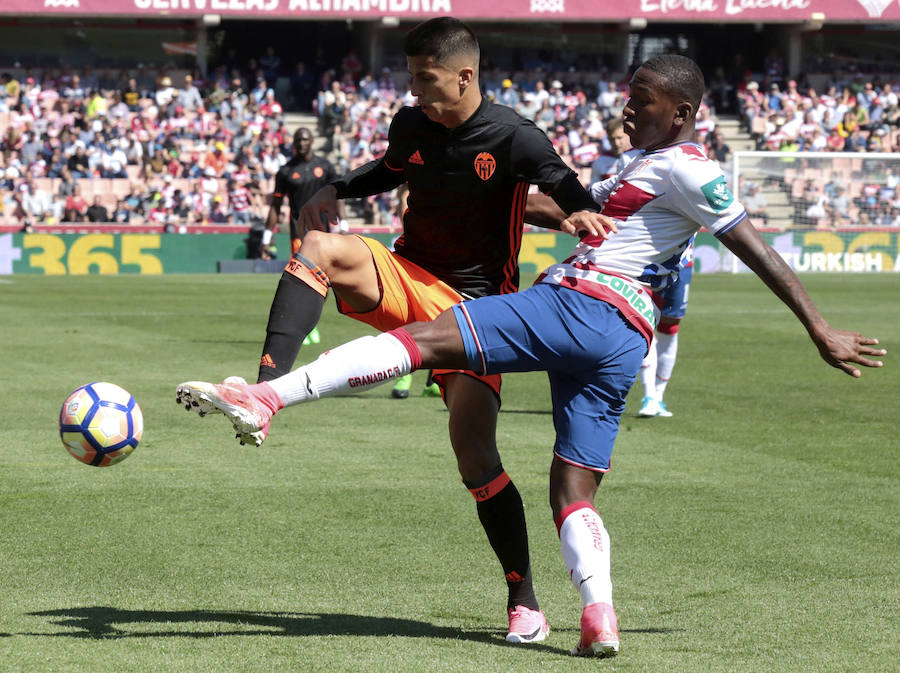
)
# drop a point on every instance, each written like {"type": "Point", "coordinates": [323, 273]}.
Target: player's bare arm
{"type": "Point", "coordinates": [839, 348]}
{"type": "Point", "coordinates": [542, 211]}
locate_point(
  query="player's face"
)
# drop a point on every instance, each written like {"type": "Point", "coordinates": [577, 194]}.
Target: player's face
{"type": "Point", "coordinates": [651, 117]}
{"type": "Point", "coordinates": [303, 142]}
{"type": "Point", "coordinates": [438, 88]}
{"type": "Point", "coordinates": [620, 142]}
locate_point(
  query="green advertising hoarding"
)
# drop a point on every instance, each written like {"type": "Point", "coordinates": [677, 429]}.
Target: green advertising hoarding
{"type": "Point", "coordinates": [75, 254]}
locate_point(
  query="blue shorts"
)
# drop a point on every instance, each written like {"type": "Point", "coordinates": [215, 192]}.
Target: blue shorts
{"type": "Point", "coordinates": [589, 351]}
{"type": "Point", "coordinates": [675, 297]}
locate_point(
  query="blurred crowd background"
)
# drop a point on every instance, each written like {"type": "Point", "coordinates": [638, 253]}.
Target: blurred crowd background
{"type": "Point", "coordinates": [166, 145]}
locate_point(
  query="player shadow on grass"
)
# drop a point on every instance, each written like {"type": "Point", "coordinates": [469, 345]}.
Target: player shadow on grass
{"type": "Point", "coordinates": [110, 623]}
{"type": "Point", "coordinates": [106, 623]}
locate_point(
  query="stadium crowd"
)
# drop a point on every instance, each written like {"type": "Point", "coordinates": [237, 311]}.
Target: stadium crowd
{"type": "Point", "coordinates": [142, 147]}
{"type": "Point", "coordinates": [861, 115]}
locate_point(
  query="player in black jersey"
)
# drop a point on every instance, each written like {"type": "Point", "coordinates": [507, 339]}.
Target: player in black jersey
{"type": "Point", "coordinates": [468, 164]}
{"type": "Point", "coordinates": [299, 179]}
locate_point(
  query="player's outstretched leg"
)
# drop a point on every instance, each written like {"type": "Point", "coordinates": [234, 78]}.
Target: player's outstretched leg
{"type": "Point", "coordinates": [249, 408]}
{"type": "Point", "coordinates": [356, 366]}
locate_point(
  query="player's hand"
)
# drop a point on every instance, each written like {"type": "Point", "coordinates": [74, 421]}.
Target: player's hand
{"type": "Point", "coordinates": [843, 349]}
{"type": "Point", "coordinates": [319, 212]}
{"type": "Point", "coordinates": [584, 223]}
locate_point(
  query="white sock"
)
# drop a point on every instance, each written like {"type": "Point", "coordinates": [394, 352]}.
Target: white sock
{"type": "Point", "coordinates": [585, 550]}
{"type": "Point", "coordinates": [357, 365]}
{"type": "Point", "coordinates": [648, 371]}
{"type": "Point", "coordinates": [667, 350]}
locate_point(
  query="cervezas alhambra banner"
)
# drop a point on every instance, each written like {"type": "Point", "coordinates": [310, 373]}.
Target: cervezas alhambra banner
{"type": "Point", "coordinates": [769, 11]}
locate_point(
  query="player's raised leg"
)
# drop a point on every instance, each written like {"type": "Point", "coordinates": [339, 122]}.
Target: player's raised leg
{"type": "Point", "coordinates": [357, 365]}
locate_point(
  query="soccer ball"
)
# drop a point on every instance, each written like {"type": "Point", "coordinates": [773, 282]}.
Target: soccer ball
{"type": "Point", "coordinates": [100, 424]}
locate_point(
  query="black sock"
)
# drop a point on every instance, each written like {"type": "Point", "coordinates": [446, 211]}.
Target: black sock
{"type": "Point", "coordinates": [502, 516]}
{"type": "Point", "coordinates": [296, 309]}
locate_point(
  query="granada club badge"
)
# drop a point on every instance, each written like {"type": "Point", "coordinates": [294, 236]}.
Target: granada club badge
{"type": "Point", "coordinates": [485, 165]}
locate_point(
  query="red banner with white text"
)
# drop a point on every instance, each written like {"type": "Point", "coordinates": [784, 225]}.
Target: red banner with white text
{"type": "Point", "coordinates": [770, 11]}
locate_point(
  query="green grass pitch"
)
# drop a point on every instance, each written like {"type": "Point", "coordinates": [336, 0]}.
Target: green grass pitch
{"type": "Point", "coordinates": [756, 530]}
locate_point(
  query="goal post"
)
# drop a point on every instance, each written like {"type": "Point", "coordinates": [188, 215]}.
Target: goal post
{"type": "Point", "coordinates": [822, 211]}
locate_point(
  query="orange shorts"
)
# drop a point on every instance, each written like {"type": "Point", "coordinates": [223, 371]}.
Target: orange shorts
{"type": "Point", "coordinates": [409, 293]}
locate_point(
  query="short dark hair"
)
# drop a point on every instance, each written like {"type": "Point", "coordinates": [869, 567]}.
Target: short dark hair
{"type": "Point", "coordinates": [681, 77]}
{"type": "Point", "coordinates": [443, 38]}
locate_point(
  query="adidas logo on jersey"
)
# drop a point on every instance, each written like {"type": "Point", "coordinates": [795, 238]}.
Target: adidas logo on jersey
{"type": "Point", "coordinates": [416, 158]}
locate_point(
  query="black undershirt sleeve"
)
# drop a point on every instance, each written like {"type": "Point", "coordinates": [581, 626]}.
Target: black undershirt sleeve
{"type": "Point", "coordinates": [371, 178]}
{"type": "Point", "coordinates": [571, 196]}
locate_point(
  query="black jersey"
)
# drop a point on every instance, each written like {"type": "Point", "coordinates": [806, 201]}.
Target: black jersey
{"type": "Point", "coordinates": [467, 192]}
{"type": "Point", "coordinates": [299, 180]}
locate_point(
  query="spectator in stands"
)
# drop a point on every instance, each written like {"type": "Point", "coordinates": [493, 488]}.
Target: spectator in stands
{"type": "Point", "coordinates": [35, 204]}
{"type": "Point", "coordinates": [705, 124]}
{"type": "Point", "coordinates": [260, 91]}
{"type": "Point", "coordinates": [839, 206]}
{"type": "Point", "coordinates": [239, 202]}
{"type": "Point", "coordinates": [157, 213]}
{"type": "Point", "coordinates": [332, 115]}
{"type": "Point", "coordinates": [121, 213]}
{"type": "Point", "coordinates": [96, 212]}
{"type": "Point", "coordinates": [386, 85]}
{"type": "Point", "coordinates": [270, 107]}
{"type": "Point", "coordinates": [114, 160]}
{"type": "Point", "coordinates": [368, 86]}
{"type": "Point", "coordinates": [96, 105]}
{"type": "Point", "coordinates": [189, 97]}
{"type": "Point", "coordinates": [303, 86]}
{"type": "Point", "coordinates": [30, 148]}
{"type": "Point", "coordinates": [157, 166]}
{"type": "Point", "coordinates": [855, 141]}
{"type": "Point", "coordinates": [216, 159]}
{"type": "Point", "coordinates": [270, 63]}
{"type": "Point", "coordinates": [835, 141]}
{"type": "Point", "coordinates": [508, 94]}
{"type": "Point", "coordinates": [131, 95]}
{"type": "Point", "coordinates": [78, 163]}
{"type": "Point", "coordinates": [717, 148]}
{"type": "Point", "coordinates": [76, 207]}
{"type": "Point", "coordinates": [218, 214]}
{"type": "Point", "coordinates": [351, 65]}
{"type": "Point", "coordinates": [610, 101]}
{"type": "Point", "coordinates": [812, 208]}
{"type": "Point", "coordinates": [56, 163]}
{"type": "Point", "coordinates": [12, 91]}
{"type": "Point", "coordinates": [755, 203]}
{"type": "Point", "coordinates": [66, 184]}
